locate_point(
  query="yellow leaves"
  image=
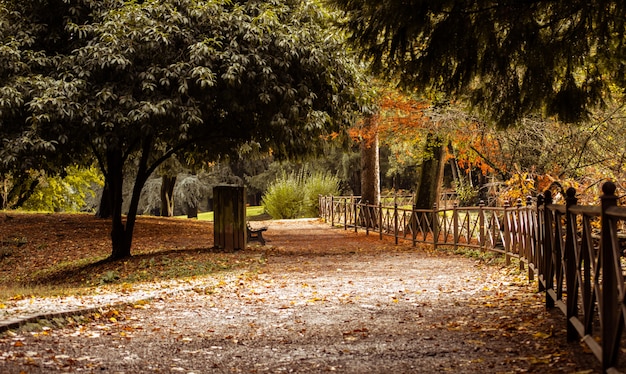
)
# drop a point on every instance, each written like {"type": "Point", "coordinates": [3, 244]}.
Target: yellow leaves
{"type": "Point", "coordinates": [18, 297]}
{"type": "Point", "coordinates": [542, 335]}
{"type": "Point", "coordinates": [316, 299]}
{"type": "Point", "coordinates": [140, 304]}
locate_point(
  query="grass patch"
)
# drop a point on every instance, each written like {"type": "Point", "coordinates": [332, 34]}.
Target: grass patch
{"type": "Point", "coordinates": [251, 212]}
{"type": "Point", "coordinates": [488, 257]}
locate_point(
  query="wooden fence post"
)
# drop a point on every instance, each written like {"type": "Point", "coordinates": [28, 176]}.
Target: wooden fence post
{"type": "Point", "coordinates": [395, 220]}
{"type": "Point", "coordinates": [610, 309]}
{"type": "Point", "coordinates": [539, 235]}
{"type": "Point", "coordinates": [345, 213]}
{"type": "Point", "coordinates": [356, 220]}
{"type": "Point", "coordinates": [548, 233]}
{"type": "Point", "coordinates": [519, 227]}
{"type": "Point", "coordinates": [481, 225]}
{"type": "Point", "coordinates": [507, 233]}
{"type": "Point", "coordinates": [569, 256]}
{"type": "Point", "coordinates": [368, 218]}
{"type": "Point", "coordinates": [435, 222]}
{"type": "Point", "coordinates": [529, 244]}
{"type": "Point", "coordinates": [380, 220]}
{"type": "Point", "coordinates": [455, 225]}
{"type": "Point", "coordinates": [332, 211]}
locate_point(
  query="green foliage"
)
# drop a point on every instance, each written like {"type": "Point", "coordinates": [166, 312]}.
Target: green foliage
{"type": "Point", "coordinates": [136, 82]}
{"type": "Point", "coordinates": [509, 58]}
{"type": "Point", "coordinates": [284, 197]}
{"type": "Point", "coordinates": [109, 277]}
{"type": "Point", "coordinates": [466, 193]}
{"type": "Point", "coordinates": [315, 185]}
{"type": "Point", "coordinates": [295, 195]}
{"type": "Point", "coordinates": [68, 193]}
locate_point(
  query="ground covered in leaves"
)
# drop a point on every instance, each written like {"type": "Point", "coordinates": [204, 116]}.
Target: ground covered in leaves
{"type": "Point", "coordinates": [314, 299]}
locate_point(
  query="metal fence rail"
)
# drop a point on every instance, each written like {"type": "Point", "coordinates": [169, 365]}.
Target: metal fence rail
{"type": "Point", "coordinates": [574, 251]}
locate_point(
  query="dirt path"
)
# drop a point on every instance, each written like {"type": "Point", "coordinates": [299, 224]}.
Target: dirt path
{"type": "Point", "coordinates": [324, 302]}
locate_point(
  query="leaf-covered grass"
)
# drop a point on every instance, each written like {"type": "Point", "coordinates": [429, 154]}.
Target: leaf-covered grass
{"type": "Point", "coordinates": [61, 254]}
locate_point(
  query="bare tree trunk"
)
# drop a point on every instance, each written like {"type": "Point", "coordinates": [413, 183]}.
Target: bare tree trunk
{"type": "Point", "coordinates": [167, 195]}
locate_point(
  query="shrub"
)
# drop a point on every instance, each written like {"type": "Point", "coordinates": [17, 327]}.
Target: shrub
{"type": "Point", "coordinates": [296, 195]}
{"type": "Point", "coordinates": [315, 185]}
{"type": "Point", "coordinates": [284, 197]}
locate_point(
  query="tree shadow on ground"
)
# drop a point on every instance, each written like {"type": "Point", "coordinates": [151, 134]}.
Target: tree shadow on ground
{"type": "Point", "coordinates": [145, 267]}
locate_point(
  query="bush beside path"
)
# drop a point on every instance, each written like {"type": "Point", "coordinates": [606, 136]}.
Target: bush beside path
{"type": "Point", "coordinates": [315, 299]}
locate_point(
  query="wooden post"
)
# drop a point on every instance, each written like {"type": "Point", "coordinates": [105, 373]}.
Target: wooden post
{"type": "Point", "coordinates": [569, 254]}
{"type": "Point", "coordinates": [529, 244]}
{"type": "Point", "coordinates": [539, 234]}
{"type": "Point", "coordinates": [332, 211]}
{"type": "Point", "coordinates": [230, 217]}
{"type": "Point", "coordinates": [455, 226]}
{"type": "Point", "coordinates": [380, 220]}
{"type": "Point", "coordinates": [356, 218]}
{"type": "Point", "coordinates": [413, 225]}
{"type": "Point", "coordinates": [368, 218]}
{"type": "Point", "coordinates": [507, 233]}
{"type": "Point", "coordinates": [610, 309]}
{"type": "Point", "coordinates": [435, 222]}
{"type": "Point", "coordinates": [345, 213]}
{"type": "Point", "coordinates": [548, 233]}
{"type": "Point", "coordinates": [395, 220]}
{"type": "Point", "coordinates": [518, 234]}
{"type": "Point", "coordinates": [481, 225]}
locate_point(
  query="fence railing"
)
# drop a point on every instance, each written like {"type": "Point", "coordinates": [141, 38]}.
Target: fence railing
{"type": "Point", "coordinates": [574, 251]}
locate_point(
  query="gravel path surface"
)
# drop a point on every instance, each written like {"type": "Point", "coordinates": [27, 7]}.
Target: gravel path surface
{"type": "Point", "coordinates": [326, 301]}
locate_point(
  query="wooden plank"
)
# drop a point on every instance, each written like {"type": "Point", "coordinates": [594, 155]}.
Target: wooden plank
{"type": "Point", "coordinates": [596, 349]}
{"type": "Point", "coordinates": [578, 325]}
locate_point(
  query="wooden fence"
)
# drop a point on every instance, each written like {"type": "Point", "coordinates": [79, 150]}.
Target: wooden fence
{"type": "Point", "coordinates": [573, 251]}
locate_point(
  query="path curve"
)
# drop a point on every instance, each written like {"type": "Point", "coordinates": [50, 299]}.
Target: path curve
{"type": "Point", "coordinates": [326, 300]}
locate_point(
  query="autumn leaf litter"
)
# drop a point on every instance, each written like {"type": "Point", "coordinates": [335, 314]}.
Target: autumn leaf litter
{"type": "Point", "coordinates": [326, 300]}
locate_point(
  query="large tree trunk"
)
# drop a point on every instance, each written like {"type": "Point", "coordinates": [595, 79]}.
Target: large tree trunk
{"type": "Point", "coordinates": [167, 195]}
{"type": "Point", "coordinates": [370, 173]}
{"type": "Point", "coordinates": [104, 209]}
{"type": "Point", "coordinates": [115, 181]}
{"type": "Point", "coordinates": [122, 235]}
{"type": "Point", "coordinates": [430, 173]}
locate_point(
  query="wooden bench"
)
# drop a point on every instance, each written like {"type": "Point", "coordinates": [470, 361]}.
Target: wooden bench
{"type": "Point", "coordinates": [255, 234]}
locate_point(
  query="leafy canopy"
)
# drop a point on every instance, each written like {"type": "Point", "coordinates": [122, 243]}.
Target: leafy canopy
{"type": "Point", "coordinates": [134, 83]}
{"type": "Point", "coordinates": [508, 58]}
